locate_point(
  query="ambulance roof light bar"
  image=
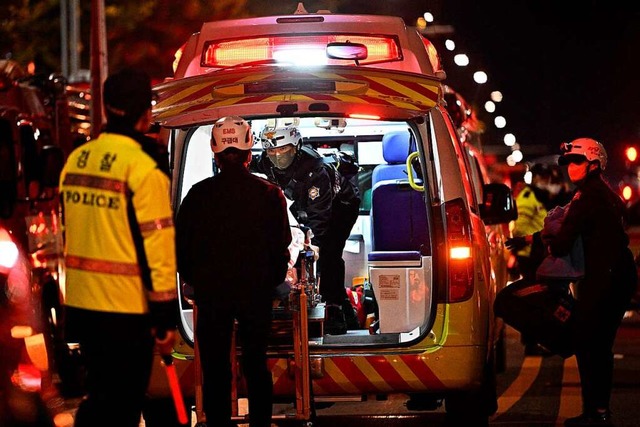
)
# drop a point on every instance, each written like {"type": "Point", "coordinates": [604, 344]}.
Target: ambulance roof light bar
{"type": "Point", "coordinates": [298, 49]}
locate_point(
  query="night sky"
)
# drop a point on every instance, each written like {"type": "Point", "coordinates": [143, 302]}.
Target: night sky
{"type": "Point", "coordinates": [566, 69]}
{"type": "Point", "coordinates": [565, 72]}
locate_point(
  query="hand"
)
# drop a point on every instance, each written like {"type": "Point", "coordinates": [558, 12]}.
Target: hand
{"type": "Point", "coordinates": [515, 243]}
{"type": "Point", "coordinates": [164, 344]}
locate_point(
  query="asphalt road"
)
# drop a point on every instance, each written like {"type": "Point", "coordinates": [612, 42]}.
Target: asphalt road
{"type": "Point", "coordinates": [533, 391]}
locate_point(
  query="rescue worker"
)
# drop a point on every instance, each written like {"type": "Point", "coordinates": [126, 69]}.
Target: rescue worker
{"type": "Point", "coordinates": [324, 201]}
{"type": "Point", "coordinates": [595, 213]}
{"type": "Point", "coordinates": [233, 236]}
{"type": "Point", "coordinates": [120, 257]}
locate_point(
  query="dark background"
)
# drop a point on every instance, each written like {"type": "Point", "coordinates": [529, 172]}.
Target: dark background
{"type": "Point", "coordinates": [566, 68]}
{"type": "Point", "coordinates": [565, 71]}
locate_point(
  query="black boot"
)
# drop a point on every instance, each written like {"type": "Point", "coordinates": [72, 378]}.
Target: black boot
{"type": "Point", "coordinates": [590, 419]}
{"type": "Point", "coordinates": [350, 315]}
{"type": "Point", "coordinates": [335, 323]}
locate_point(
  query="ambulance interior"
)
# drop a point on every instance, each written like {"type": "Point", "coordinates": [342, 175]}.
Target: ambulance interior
{"type": "Point", "coordinates": [388, 253]}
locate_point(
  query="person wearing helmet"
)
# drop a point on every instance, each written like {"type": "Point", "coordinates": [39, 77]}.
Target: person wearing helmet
{"type": "Point", "coordinates": [596, 214]}
{"type": "Point", "coordinates": [119, 256]}
{"type": "Point", "coordinates": [217, 228]}
{"type": "Point", "coordinates": [324, 201]}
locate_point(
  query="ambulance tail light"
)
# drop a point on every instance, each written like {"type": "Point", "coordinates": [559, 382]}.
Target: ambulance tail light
{"type": "Point", "coordinates": [459, 251]}
{"type": "Point", "coordinates": [627, 192]}
{"type": "Point", "coordinates": [296, 49]}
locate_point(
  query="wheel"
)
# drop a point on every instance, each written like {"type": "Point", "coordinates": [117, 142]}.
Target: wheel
{"type": "Point", "coordinates": [474, 407]}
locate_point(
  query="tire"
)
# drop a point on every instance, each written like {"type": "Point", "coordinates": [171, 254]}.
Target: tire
{"type": "Point", "coordinates": [474, 407]}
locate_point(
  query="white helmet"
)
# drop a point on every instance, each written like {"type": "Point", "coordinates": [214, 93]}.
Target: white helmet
{"type": "Point", "coordinates": [231, 132]}
{"type": "Point", "coordinates": [588, 148]}
{"type": "Point", "coordinates": [279, 137]}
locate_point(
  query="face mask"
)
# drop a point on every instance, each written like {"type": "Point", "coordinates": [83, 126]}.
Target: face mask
{"type": "Point", "coordinates": [282, 160]}
{"type": "Point", "coordinates": [554, 189]}
{"type": "Point", "coordinates": [577, 172]}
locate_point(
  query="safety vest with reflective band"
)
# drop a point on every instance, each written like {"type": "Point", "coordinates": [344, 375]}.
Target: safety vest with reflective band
{"type": "Point", "coordinates": [102, 184]}
{"type": "Point", "coordinates": [531, 215]}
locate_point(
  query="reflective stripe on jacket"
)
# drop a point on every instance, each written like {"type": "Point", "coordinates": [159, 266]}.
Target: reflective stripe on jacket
{"type": "Point", "coordinates": [99, 182]}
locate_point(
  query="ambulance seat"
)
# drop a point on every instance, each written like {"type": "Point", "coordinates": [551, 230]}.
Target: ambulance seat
{"type": "Point", "coordinates": [398, 220]}
{"type": "Point", "coordinates": [395, 150]}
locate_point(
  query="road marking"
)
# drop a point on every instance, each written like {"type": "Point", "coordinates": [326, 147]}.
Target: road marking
{"type": "Point", "coordinates": [528, 373]}
{"type": "Point", "coordinates": [570, 397]}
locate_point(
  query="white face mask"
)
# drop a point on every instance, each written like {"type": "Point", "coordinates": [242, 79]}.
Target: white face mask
{"type": "Point", "coordinates": [554, 189]}
{"type": "Point", "coordinates": [577, 172]}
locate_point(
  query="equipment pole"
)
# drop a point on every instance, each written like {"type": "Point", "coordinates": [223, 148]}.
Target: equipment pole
{"type": "Point", "coordinates": [98, 64]}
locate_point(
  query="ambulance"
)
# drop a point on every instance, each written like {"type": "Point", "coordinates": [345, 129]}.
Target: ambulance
{"type": "Point", "coordinates": [428, 234]}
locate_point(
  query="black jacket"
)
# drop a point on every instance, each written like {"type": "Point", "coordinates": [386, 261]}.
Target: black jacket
{"type": "Point", "coordinates": [596, 213]}
{"type": "Point", "coordinates": [319, 193]}
{"type": "Point", "coordinates": [232, 233]}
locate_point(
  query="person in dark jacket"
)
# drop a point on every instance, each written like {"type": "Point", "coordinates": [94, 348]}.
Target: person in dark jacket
{"type": "Point", "coordinates": [232, 239]}
{"type": "Point", "coordinates": [596, 214]}
{"type": "Point", "coordinates": [324, 201]}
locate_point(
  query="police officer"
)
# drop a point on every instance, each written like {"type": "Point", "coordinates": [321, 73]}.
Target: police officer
{"type": "Point", "coordinates": [323, 200]}
{"type": "Point", "coordinates": [531, 202]}
{"type": "Point", "coordinates": [595, 213]}
{"type": "Point", "coordinates": [119, 255]}
{"type": "Point", "coordinates": [233, 235]}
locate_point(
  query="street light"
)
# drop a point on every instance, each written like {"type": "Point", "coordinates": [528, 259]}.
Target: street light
{"type": "Point", "coordinates": [509, 140]}
{"type": "Point", "coordinates": [480, 77]}
{"type": "Point", "coordinates": [461, 60]}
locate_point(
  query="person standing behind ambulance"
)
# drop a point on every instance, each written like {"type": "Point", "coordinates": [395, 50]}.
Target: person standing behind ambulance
{"type": "Point", "coordinates": [233, 235]}
{"type": "Point", "coordinates": [120, 257]}
{"type": "Point", "coordinates": [596, 213]}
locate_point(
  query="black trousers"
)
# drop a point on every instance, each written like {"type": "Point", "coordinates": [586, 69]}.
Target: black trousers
{"type": "Point", "coordinates": [597, 318]}
{"type": "Point", "coordinates": [118, 352]}
{"type": "Point", "coordinates": [214, 329]}
{"type": "Point", "coordinates": [330, 263]}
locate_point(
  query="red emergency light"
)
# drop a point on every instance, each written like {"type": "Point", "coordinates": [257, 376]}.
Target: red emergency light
{"type": "Point", "coordinates": [303, 49]}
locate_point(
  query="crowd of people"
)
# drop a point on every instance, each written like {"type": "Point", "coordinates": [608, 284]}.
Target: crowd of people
{"type": "Point", "coordinates": [121, 293]}
{"type": "Point", "coordinates": [121, 289]}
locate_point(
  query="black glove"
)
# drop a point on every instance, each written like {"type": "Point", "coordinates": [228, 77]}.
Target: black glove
{"type": "Point", "coordinates": [515, 243]}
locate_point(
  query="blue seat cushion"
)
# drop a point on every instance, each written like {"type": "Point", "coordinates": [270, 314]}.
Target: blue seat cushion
{"type": "Point", "coordinates": [399, 218]}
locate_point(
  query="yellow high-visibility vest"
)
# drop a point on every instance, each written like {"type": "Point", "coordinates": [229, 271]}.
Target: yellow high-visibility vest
{"type": "Point", "coordinates": [101, 181]}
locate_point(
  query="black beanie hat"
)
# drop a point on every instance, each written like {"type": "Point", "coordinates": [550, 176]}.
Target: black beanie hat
{"type": "Point", "coordinates": [127, 94]}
